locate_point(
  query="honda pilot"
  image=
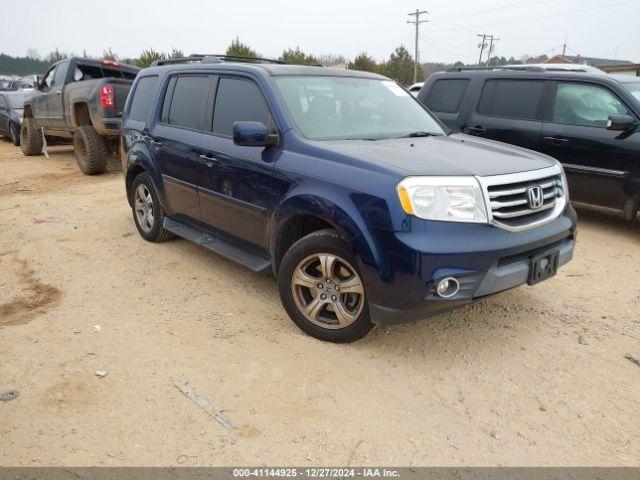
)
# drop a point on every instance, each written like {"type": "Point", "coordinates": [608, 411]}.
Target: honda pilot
{"type": "Point", "coordinates": [342, 185]}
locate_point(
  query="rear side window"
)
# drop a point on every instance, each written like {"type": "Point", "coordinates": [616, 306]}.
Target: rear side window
{"type": "Point", "coordinates": [511, 98]}
{"type": "Point", "coordinates": [143, 98]}
{"type": "Point", "coordinates": [238, 100]}
{"type": "Point", "coordinates": [188, 102]}
{"type": "Point", "coordinates": [446, 95]}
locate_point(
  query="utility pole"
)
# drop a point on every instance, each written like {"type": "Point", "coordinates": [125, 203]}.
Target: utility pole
{"type": "Point", "coordinates": [417, 23]}
{"type": "Point", "coordinates": [564, 46]}
{"type": "Point", "coordinates": [493, 39]}
{"type": "Point", "coordinates": [483, 43]}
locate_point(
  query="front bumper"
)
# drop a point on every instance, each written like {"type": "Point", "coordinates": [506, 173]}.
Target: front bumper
{"type": "Point", "coordinates": [485, 260]}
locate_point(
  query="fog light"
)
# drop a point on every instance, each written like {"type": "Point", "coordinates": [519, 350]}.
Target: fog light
{"type": "Point", "coordinates": [448, 287]}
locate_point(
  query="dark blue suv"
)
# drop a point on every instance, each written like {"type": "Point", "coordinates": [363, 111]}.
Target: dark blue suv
{"type": "Point", "coordinates": [340, 183]}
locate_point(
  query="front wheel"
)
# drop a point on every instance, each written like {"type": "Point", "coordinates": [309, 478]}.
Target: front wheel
{"type": "Point", "coordinates": [30, 138]}
{"type": "Point", "coordinates": [322, 290]}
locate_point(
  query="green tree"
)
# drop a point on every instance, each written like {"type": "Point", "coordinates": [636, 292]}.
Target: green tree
{"type": "Point", "coordinates": [109, 54]}
{"type": "Point", "coordinates": [149, 55]}
{"type": "Point", "coordinates": [176, 53]}
{"type": "Point", "coordinates": [400, 67]}
{"type": "Point", "coordinates": [239, 49]}
{"type": "Point", "coordinates": [55, 56]}
{"type": "Point", "coordinates": [330, 59]}
{"type": "Point", "coordinates": [365, 63]}
{"type": "Point", "coordinates": [298, 57]}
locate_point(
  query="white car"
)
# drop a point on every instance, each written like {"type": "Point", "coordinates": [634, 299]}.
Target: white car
{"type": "Point", "coordinates": [415, 88]}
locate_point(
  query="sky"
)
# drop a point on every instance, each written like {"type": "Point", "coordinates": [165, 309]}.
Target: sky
{"type": "Point", "coordinates": [594, 28]}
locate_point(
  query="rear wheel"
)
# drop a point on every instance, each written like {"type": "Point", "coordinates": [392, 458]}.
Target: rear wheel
{"type": "Point", "coordinates": [322, 290]}
{"type": "Point", "coordinates": [90, 149]}
{"type": "Point", "coordinates": [14, 135]}
{"type": "Point", "coordinates": [30, 138]}
{"type": "Point", "coordinates": [148, 213]}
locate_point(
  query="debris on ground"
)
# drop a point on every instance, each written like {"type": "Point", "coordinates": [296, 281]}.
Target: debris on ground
{"type": "Point", "coordinates": [97, 328]}
{"type": "Point", "coordinates": [8, 395]}
{"type": "Point", "coordinates": [101, 373]}
{"type": "Point", "coordinates": [203, 403]}
{"type": "Point", "coordinates": [26, 188]}
{"type": "Point", "coordinates": [633, 359]}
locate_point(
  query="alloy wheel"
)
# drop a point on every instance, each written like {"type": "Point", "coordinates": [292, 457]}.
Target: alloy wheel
{"type": "Point", "coordinates": [143, 205]}
{"type": "Point", "coordinates": [328, 291]}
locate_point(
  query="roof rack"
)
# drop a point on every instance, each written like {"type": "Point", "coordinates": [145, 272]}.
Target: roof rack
{"type": "Point", "coordinates": [213, 58]}
{"type": "Point", "coordinates": [516, 68]}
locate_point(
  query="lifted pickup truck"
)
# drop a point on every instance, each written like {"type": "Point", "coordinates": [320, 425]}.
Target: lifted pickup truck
{"type": "Point", "coordinates": [79, 99]}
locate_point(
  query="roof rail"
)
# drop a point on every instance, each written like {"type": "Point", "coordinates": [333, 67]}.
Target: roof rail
{"type": "Point", "coordinates": [213, 58]}
{"type": "Point", "coordinates": [516, 68]}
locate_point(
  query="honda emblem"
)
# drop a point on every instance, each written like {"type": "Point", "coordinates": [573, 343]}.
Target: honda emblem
{"type": "Point", "coordinates": [535, 195]}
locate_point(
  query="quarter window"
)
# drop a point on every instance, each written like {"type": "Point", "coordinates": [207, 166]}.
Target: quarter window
{"type": "Point", "coordinates": [511, 98]}
{"type": "Point", "coordinates": [447, 95]}
{"type": "Point", "coordinates": [143, 98]}
{"type": "Point", "coordinates": [585, 105]}
{"type": "Point", "coordinates": [188, 102]}
{"type": "Point", "coordinates": [238, 100]}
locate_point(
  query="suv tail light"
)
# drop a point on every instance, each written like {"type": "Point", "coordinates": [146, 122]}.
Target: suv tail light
{"type": "Point", "coordinates": [107, 97]}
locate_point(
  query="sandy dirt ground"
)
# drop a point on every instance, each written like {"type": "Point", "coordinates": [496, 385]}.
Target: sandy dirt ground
{"type": "Point", "coordinates": [534, 376]}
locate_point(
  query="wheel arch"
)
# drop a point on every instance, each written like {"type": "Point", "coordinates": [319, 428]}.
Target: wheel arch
{"type": "Point", "coordinates": [80, 115]}
{"type": "Point", "coordinates": [139, 161]}
{"type": "Point", "coordinates": [300, 215]}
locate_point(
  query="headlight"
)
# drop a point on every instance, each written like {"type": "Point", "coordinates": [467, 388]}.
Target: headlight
{"type": "Point", "coordinates": [452, 199]}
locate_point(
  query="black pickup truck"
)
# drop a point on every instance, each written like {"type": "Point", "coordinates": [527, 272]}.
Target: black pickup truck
{"type": "Point", "coordinates": [79, 99]}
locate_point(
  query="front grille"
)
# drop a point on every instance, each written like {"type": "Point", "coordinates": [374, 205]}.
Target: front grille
{"type": "Point", "coordinates": [509, 201]}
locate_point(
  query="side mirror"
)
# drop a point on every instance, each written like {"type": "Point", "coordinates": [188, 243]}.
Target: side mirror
{"type": "Point", "coordinates": [253, 134]}
{"type": "Point", "coordinates": [621, 123]}
{"type": "Point", "coordinates": [36, 83]}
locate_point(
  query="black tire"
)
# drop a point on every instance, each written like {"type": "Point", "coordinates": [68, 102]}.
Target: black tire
{"type": "Point", "coordinates": [14, 134]}
{"type": "Point", "coordinates": [90, 149]}
{"type": "Point", "coordinates": [157, 233]}
{"type": "Point", "coordinates": [320, 242]}
{"type": "Point", "coordinates": [30, 138]}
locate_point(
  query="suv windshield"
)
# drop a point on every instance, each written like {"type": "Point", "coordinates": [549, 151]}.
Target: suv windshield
{"type": "Point", "coordinates": [349, 108]}
{"type": "Point", "coordinates": [634, 88]}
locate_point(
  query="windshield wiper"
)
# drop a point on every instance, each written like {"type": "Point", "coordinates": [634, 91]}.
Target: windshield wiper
{"type": "Point", "coordinates": [420, 133]}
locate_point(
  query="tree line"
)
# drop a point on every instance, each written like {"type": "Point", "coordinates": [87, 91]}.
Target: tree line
{"type": "Point", "coordinates": [399, 65]}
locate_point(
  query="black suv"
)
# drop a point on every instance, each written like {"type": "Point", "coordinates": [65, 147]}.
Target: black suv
{"type": "Point", "coordinates": [589, 122]}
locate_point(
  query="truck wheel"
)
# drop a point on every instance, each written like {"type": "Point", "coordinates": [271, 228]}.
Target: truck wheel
{"type": "Point", "coordinates": [91, 150]}
{"type": "Point", "coordinates": [14, 134]}
{"type": "Point", "coordinates": [321, 289]}
{"type": "Point", "coordinates": [148, 213]}
{"type": "Point", "coordinates": [30, 138]}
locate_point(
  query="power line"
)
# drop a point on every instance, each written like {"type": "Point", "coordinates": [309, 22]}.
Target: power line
{"type": "Point", "coordinates": [540, 17]}
{"type": "Point", "coordinates": [417, 23]}
{"type": "Point", "coordinates": [490, 10]}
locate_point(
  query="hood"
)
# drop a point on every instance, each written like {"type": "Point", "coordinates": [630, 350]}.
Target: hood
{"type": "Point", "coordinates": [453, 155]}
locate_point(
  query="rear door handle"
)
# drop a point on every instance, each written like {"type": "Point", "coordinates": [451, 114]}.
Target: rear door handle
{"type": "Point", "coordinates": [476, 129]}
{"type": "Point", "coordinates": [557, 140]}
{"type": "Point", "coordinates": [207, 159]}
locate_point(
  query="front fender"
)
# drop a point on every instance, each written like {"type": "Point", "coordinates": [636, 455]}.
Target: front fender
{"type": "Point", "coordinates": [349, 213]}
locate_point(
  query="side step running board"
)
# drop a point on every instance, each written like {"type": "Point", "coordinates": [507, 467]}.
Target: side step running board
{"type": "Point", "coordinates": [248, 257]}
